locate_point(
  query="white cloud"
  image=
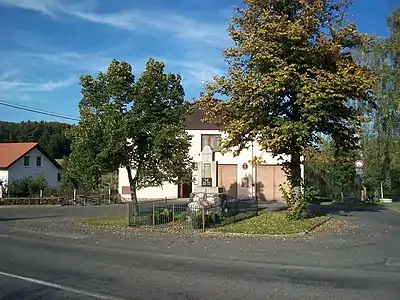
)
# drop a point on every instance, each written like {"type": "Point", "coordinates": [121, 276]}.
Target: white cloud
{"type": "Point", "coordinates": [46, 7]}
{"type": "Point", "coordinates": [199, 42]}
{"type": "Point", "coordinates": [176, 24]}
{"type": "Point", "coordinates": [47, 86]}
{"type": "Point", "coordinates": [194, 71]}
{"type": "Point", "coordinates": [143, 21]}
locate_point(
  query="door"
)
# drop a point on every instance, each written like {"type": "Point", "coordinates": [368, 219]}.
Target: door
{"type": "Point", "coordinates": [184, 190]}
{"type": "Point", "coordinates": [268, 181]}
{"type": "Point", "coordinates": [227, 179]}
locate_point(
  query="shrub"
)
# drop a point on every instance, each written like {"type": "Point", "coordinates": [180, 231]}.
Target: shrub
{"type": "Point", "coordinates": [26, 186]}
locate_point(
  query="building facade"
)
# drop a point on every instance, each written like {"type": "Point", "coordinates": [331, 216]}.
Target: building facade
{"type": "Point", "coordinates": [19, 160]}
{"type": "Point", "coordinates": [234, 176]}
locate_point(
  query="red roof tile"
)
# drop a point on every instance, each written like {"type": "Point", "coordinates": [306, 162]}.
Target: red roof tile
{"type": "Point", "coordinates": [11, 152]}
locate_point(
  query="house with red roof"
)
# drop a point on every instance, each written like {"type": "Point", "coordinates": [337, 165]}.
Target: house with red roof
{"type": "Point", "coordinates": [19, 160]}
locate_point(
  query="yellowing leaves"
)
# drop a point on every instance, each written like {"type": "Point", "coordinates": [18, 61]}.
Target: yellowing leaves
{"type": "Point", "coordinates": [290, 76]}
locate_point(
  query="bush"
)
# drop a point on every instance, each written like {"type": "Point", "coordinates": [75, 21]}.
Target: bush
{"type": "Point", "coordinates": [26, 186]}
{"type": "Point", "coordinates": [210, 220]}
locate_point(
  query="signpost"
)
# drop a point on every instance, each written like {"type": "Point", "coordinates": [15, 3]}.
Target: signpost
{"type": "Point", "coordinates": [359, 164]}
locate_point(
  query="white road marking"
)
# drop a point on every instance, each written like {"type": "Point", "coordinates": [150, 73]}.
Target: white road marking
{"type": "Point", "coordinates": [61, 287]}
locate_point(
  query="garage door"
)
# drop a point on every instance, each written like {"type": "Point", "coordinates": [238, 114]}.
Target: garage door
{"type": "Point", "coordinates": [227, 178]}
{"type": "Point", "coordinates": [269, 177]}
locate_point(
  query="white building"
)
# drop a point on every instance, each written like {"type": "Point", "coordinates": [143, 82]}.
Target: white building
{"type": "Point", "coordinates": [235, 175]}
{"type": "Point", "coordinates": [19, 160]}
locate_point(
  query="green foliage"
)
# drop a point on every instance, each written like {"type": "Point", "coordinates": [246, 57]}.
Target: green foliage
{"type": "Point", "coordinates": [330, 172]}
{"type": "Point", "coordinates": [50, 135]}
{"type": "Point", "coordinates": [138, 125]}
{"type": "Point", "coordinates": [210, 220]}
{"type": "Point", "coordinates": [382, 139]}
{"type": "Point", "coordinates": [26, 186]}
{"type": "Point", "coordinates": [290, 76]}
{"type": "Point", "coordinates": [297, 201]}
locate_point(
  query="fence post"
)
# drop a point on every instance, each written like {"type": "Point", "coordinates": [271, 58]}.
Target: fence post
{"type": "Point", "coordinates": [129, 214]}
{"type": "Point", "coordinates": [204, 218]}
{"type": "Point", "coordinates": [173, 213]}
{"type": "Point", "coordinates": [154, 217]}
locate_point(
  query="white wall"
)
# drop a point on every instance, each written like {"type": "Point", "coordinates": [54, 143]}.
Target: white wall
{"type": "Point", "coordinates": [244, 157]}
{"type": "Point", "coordinates": [48, 169]}
{"type": "Point", "coordinates": [3, 180]}
{"type": "Point", "coordinates": [168, 190]}
{"type": "Point", "coordinates": [171, 190]}
{"type": "Point", "coordinates": [4, 176]}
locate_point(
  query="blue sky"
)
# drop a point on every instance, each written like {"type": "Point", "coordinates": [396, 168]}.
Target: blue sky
{"type": "Point", "coordinates": [45, 45]}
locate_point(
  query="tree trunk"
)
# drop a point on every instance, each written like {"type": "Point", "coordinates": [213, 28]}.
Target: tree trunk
{"type": "Point", "coordinates": [133, 186]}
{"type": "Point", "coordinates": [296, 204]}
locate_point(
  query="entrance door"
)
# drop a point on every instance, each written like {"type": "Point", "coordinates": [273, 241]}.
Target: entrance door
{"type": "Point", "coordinates": [184, 190]}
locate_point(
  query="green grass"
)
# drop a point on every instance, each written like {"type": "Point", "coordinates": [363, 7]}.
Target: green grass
{"type": "Point", "coordinates": [273, 223]}
{"type": "Point", "coordinates": [116, 221]}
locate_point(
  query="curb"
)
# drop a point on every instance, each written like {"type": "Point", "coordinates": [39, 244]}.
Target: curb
{"type": "Point", "coordinates": [318, 225]}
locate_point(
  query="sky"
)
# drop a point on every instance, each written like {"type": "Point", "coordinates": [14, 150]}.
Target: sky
{"type": "Point", "coordinates": [45, 45]}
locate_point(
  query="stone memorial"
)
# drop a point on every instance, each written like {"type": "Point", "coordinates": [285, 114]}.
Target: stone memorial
{"type": "Point", "coordinates": [205, 189]}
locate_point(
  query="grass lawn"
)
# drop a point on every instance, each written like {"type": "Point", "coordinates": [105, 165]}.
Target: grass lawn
{"type": "Point", "coordinates": [274, 223]}
{"type": "Point", "coordinates": [116, 221]}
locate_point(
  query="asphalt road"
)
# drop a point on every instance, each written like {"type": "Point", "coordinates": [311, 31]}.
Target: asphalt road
{"type": "Point", "coordinates": [42, 257]}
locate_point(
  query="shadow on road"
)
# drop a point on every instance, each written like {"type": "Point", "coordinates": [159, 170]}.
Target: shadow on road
{"type": "Point", "coordinates": [333, 209]}
{"type": "Point", "coordinates": [28, 218]}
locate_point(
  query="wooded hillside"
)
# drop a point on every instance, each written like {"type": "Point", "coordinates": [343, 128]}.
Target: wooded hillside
{"type": "Point", "coordinates": [50, 135]}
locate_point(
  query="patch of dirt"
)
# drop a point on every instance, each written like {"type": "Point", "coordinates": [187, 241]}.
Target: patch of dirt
{"type": "Point", "coordinates": [334, 226]}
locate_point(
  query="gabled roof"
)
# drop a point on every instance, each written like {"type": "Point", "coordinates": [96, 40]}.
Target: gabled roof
{"type": "Point", "coordinates": [11, 152]}
{"type": "Point", "coordinates": [194, 121]}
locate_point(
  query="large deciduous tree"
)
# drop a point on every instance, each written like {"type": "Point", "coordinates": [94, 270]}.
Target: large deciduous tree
{"type": "Point", "coordinates": [289, 80]}
{"type": "Point", "coordinates": [381, 148]}
{"type": "Point", "coordinates": [138, 125]}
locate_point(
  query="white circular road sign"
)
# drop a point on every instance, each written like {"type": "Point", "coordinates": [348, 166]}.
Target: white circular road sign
{"type": "Point", "coordinates": [359, 164]}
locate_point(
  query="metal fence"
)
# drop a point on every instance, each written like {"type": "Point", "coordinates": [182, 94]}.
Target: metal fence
{"type": "Point", "coordinates": [80, 198]}
{"type": "Point", "coordinates": [179, 214]}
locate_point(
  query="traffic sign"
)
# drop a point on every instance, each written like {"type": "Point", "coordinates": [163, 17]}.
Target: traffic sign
{"type": "Point", "coordinates": [359, 164]}
{"type": "Point", "coordinates": [245, 166]}
{"type": "Point", "coordinates": [359, 171]}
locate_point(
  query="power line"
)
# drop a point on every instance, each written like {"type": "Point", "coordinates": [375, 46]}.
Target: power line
{"type": "Point", "coordinates": [38, 111]}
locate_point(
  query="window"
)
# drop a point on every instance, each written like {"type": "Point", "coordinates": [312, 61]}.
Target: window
{"type": "Point", "coordinates": [59, 176]}
{"type": "Point", "coordinates": [39, 161]}
{"type": "Point", "coordinates": [211, 140]}
{"type": "Point", "coordinates": [26, 161]}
